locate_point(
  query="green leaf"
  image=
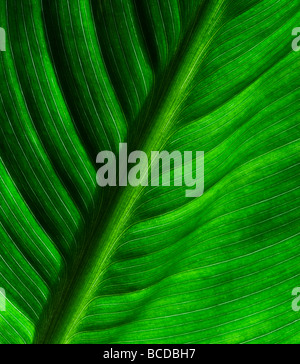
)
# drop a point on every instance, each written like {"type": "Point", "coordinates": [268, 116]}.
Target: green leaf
{"type": "Point", "coordinates": [84, 264]}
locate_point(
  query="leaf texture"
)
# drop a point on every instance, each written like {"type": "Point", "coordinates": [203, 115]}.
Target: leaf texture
{"type": "Point", "coordinates": [81, 264]}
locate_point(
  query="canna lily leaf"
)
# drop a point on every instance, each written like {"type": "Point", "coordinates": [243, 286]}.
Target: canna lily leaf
{"type": "Point", "coordinates": [85, 264]}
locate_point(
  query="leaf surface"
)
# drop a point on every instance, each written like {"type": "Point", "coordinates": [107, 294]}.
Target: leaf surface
{"type": "Point", "coordinates": [83, 264]}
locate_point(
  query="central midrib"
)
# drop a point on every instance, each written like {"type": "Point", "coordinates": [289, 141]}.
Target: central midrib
{"type": "Point", "coordinates": [64, 321]}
